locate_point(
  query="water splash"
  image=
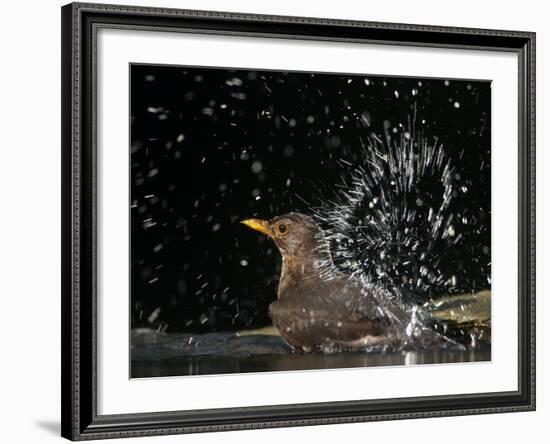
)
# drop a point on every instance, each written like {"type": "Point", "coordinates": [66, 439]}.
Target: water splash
{"type": "Point", "coordinates": [391, 225]}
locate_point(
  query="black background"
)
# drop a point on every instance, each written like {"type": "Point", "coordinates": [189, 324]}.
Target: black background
{"type": "Point", "coordinates": [211, 147]}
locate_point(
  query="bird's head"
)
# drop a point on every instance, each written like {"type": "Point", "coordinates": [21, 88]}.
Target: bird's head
{"type": "Point", "coordinates": [295, 234]}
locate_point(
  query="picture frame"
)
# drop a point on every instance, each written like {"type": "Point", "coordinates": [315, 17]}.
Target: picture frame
{"type": "Point", "coordinates": [81, 173]}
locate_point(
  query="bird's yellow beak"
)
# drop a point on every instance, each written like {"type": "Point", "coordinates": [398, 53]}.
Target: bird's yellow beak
{"type": "Point", "coordinates": [259, 225]}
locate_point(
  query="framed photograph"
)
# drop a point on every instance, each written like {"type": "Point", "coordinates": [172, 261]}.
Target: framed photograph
{"type": "Point", "coordinates": [276, 221]}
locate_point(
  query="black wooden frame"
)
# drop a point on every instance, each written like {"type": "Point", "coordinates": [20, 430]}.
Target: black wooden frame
{"type": "Point", "coordinates": [79, 397]}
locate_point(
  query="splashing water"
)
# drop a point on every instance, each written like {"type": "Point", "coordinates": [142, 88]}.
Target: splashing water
{"type": "Point", "coordinates": [391, 224]}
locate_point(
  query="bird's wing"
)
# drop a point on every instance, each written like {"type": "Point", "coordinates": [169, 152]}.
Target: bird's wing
{"type": "Point", "coordinates": [345, 299]}
{"type": "Point", "coordinates": [336, 310]}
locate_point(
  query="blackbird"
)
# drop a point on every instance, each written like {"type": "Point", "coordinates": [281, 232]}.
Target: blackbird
{"type": "Point", "coordinates": [320, 311]}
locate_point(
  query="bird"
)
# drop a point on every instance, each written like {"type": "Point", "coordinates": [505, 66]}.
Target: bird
{"type": "Point", "coordinates": [316, 311]}
{"type": "Point", "coordinates": [370, 265]}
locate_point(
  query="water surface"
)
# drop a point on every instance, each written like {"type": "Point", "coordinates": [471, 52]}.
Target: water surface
{"type": "Point", "coordinates": [182, 354]}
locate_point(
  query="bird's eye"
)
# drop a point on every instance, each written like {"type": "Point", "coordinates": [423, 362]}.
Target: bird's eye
{"type": "Point", "coordinates": [281, 228]}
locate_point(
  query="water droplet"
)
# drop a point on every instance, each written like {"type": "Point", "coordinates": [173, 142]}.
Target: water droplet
{"type": "Point", "coordinates": [256, 167]}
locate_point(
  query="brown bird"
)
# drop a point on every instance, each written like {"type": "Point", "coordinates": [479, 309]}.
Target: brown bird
{"type": "Point", "coordinates": [318, 310]}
